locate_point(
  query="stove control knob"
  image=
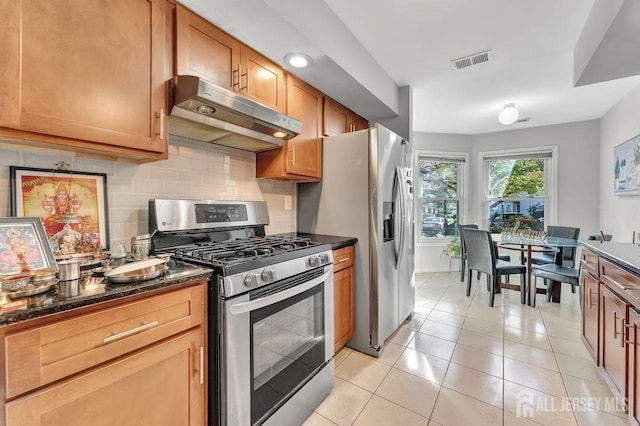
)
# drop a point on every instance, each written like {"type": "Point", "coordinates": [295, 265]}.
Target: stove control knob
{"type": "Point", "coordinates": [251, 280]}
{"type": "Point", "coordinates": [324, 259]}
{"type": "Point", "coordinates": [268, 275]}
{"type": "Point", "coordinates": [314, 261]}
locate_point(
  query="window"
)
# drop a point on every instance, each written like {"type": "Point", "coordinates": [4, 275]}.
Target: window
{"type": "Point", "coordinates": [518, 188]}
{"type": "Point", "coordinates": [440, 194]}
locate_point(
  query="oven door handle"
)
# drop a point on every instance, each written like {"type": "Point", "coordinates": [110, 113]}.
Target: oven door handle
{"type": "Point", "coordinates": [252, 305]}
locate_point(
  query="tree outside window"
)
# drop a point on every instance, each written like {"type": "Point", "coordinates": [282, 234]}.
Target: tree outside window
{"type": "Point", "coordinates": [516, 192]}
{"type": "Point", "coordinates": [439, 196]}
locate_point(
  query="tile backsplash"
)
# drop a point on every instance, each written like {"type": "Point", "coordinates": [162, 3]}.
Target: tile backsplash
{"type": "Point", "coordinates": [193, 171]}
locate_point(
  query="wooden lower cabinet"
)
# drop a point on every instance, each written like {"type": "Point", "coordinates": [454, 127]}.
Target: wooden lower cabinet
{"type": "Point", "coordinates": [590, 313]}
{"type": "Point", "coordinates": [141, 361]}
{"type": "Point", "coordinates": [157, 386]}
{"type": "Point", "coordinates": [343, 296]}
{"type": "Point", "coordinates": [613, 352]}
{"type": "Point", "coordinates": [633, 340]}
{"type": "Point", "coordinates": [343, 303]}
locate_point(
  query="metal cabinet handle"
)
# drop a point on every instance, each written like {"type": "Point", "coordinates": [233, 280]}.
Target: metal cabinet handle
{"type": "Point", "coordinates": [343, 260]}
{"type": "Point", "coordinates": [199, 364]}
{"type": "Point", "coordinates": [293, 155]}
{"type": "Point", "coordinates": [246, 82]}
{"type": "Point", "coordinates": [236, 83]}
{"type": "Point", "coordinates": [113, 337]}
{"type": "Point", "coordinates": [615, 325]}
{"type": "Point", "coordinates": [629, 333]}
{"type": "Point", "coordinates": [160, 117]}
{"type": "Point", "coordinates": [591, 303]}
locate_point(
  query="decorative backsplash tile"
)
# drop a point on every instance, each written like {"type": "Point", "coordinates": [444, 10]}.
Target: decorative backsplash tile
{"type": "Point", "coordinates": [194, 171]}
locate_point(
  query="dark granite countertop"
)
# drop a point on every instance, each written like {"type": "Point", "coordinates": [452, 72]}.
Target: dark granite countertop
{"type": "Point", "coordinates": [69, 295]}
{"type": "Point", "coordinates": [336, 242]}
{"type": "Point", "coordinates": [626, 255]}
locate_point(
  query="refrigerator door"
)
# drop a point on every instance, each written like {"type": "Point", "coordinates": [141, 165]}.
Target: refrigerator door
{"type": "Point", "coordinates": [406, 264]}
{"type": "Point", "coordinates": [387, 211]}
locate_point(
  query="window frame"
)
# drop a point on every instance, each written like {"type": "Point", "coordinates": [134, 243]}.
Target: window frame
{"type": "Point", "coordinates": [551, 181]}
{"type": "Point", "coordinates": [463, 195]}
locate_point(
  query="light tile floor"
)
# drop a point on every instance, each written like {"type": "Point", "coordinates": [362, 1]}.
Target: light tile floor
{"type": "Point", "coordinates": [461, 362]}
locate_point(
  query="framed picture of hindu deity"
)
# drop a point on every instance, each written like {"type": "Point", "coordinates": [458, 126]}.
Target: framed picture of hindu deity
{"type": "Point", "coordinates": [23, 246]}
{"type": "Point", "coordinates": [72, 206]}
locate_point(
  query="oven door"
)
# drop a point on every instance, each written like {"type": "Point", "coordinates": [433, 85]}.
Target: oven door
{"type": "Point", "coordinates": [274, 340]}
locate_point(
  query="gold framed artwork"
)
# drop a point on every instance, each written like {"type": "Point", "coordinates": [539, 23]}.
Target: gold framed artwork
{"type": "Point", "coordinates": [24, 246]}
{"type": "Point", "coordinates": [72, 206]}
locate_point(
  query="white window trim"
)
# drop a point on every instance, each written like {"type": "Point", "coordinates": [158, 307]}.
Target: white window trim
{"type": "Point", "coordinates": [462, 188]}
{"type": "Point", "coordinates": [551, 183]}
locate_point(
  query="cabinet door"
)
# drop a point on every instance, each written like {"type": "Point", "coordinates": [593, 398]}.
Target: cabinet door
{"type": "Point", "coordinates": [262, 80]}
{"type": "Point", "coordinates": [85, 69]}
{"type": "Point", "coordinates": [162, 385]}
{"type": "Point", "coordinates": [304, 152]}
{"type": "Point", "coordinates": [634, 364]}
{"type": "Point", "coordinates": [335, 118]}
{"type": "Point", "coordinates": [205, 51]}
{"type": "Point", "coordinates": [343, 303]}
{"type": "Point", "coordinates": [613, 314]}
{"type": "Point", "coordinates": [358, 123]}
{"type": "Point", "coordinates": [590, 313]}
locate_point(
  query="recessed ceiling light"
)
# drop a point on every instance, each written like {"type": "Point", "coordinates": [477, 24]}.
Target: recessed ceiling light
{"type": "Point", "coordinates": [298, 60]}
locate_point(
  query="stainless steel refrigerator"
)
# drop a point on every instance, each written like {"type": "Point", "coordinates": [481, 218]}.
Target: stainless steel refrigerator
{"type": "Point", "coordinates": [367, 192]}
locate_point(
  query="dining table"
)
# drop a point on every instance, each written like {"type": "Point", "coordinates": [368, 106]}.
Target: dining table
{"type": "Point", "coordinates": [530, 246]}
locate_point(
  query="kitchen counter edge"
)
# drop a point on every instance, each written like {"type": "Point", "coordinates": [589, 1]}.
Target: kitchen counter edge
{"type": "Point", "coordinates": [625, 255]}
{"type": "Point", "coordinates": [336, 242]}
{"type": "Point", "coordinates": [119, 291]}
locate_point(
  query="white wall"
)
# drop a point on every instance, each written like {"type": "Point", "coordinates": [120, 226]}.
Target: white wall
{"type": "Point", "coordinates": [193, 171]}
{"type": "Point", "coordinates": [578, 167]}
{"type": "Point", "coordinates": [619, 215]}
{"type": "Point", "coordinates": [578, 173]}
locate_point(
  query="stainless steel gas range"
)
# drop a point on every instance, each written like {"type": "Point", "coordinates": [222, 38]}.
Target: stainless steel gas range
{"type": "Point", "coordinates": [270, 309]}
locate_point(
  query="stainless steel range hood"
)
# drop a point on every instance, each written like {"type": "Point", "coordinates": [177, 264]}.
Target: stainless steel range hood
{"type": "Point", "coordinates": [209, 113]}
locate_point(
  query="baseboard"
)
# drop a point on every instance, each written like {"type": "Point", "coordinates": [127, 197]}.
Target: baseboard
{"type": "Point", "coordinates": [438, 269]}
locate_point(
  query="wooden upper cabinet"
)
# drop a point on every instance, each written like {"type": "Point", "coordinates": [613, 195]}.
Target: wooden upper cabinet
{"type": "Point", "coordinates": [262, 80]}
{"type": "Point", "coordinates": [86, 70]}
{"type": "Point", "coordinates": [358, 123]}
{"type": "Point", "coordinates": [338, 119]}
{"type": "Point", "coordinates": [335, 118]}
{"type": "Point", "coordinates": [300, 159]}
{"type": "Point", "coordinates": [206, 51]}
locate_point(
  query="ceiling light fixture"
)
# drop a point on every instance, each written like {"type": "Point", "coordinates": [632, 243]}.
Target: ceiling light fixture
{"type": "Point", "coordinates": [508, 115]}
{"type": "Point", "coordinates": [298, 60]}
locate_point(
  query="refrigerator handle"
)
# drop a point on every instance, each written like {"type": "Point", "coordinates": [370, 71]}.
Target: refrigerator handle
{"type": "Point", "coordinates": [399, 181]}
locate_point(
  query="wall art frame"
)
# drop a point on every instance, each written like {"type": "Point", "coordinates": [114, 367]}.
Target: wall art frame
{"type": "Point", "coordinates": [626, 167]}
{"type": "Point", "coordinates": [24, 246]}
{"type": "Point", "coordinates": [72, 206]}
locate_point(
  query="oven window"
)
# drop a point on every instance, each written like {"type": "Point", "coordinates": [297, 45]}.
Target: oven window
{"type": "Point", "coordinates": [287, 348]}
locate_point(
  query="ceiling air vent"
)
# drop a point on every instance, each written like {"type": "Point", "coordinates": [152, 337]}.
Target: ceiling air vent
{"type": "Point", "coordinates": [475, 59]}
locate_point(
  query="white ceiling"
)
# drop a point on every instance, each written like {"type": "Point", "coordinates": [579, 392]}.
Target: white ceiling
{"type": "Point", "coordinates": [364, 49]}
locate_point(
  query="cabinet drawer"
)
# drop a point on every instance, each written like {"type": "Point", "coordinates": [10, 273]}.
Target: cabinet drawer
{"type": "Point", "coordinates": [589, 262]}
{"type": "Point", "coordinates": [343, 258]}
{"type": "Point", "coordinates": [45, 354]}
{"type": "Point", "coordinates": [616, 277]}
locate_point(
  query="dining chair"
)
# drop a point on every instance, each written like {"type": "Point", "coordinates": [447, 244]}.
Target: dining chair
{"type": "Point", "coordinates": [550, 273]}
{"type": "Point", "coordinates": [481, 257]}
{"type": "Point", "coordinates": [463, 251]}
{"type": "Point", "coordinates": [568, 253]}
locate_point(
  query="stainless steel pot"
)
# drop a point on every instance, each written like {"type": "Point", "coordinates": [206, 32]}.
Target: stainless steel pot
{"type": "Point", "coordinates": [69, 269]}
